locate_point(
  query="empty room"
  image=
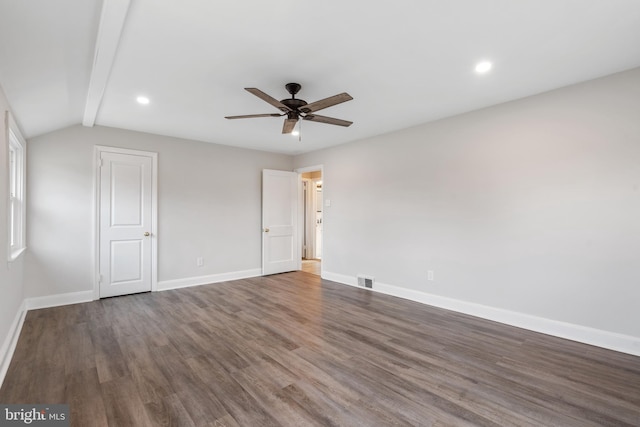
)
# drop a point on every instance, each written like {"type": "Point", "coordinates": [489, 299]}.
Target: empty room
{"type": "Point", "coordinates": [294, 213]}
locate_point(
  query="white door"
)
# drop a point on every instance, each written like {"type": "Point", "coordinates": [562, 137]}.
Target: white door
{"type": "Point", "coordinates": [280, 246]}
{"type": "Point", "coordinates": [126, 219]}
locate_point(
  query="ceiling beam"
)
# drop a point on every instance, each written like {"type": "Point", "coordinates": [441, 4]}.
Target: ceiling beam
{"type": "Point", "coordinates": [114, 13]}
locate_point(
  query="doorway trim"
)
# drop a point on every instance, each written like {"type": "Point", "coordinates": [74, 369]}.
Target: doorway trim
{"type": "Point", "coordinates": [97, 152]}
{"type": "Point", "coordinates": [307, 248]}
{"type": "Point", "coordinates": [301, 202]}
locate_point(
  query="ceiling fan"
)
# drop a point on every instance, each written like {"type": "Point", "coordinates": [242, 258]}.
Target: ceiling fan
{"type": "Point", "coordinates": [298, 109]}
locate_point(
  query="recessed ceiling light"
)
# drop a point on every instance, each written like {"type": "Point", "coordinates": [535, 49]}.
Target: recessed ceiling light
{"type": "Point", "coordinates": [483, 67]}
{"type": "Point", "coordinates": [142, 100]}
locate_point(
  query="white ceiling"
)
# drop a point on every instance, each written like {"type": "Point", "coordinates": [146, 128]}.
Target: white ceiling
{"type": "Point", "coordinates": [404, 62]}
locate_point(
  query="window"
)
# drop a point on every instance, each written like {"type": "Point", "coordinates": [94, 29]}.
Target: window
{"type": "Point", "coordinates": [16, 204]}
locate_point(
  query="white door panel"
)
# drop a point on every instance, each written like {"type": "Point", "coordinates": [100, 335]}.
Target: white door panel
{"type": "Point", "coordinates": [280, 246]}
{"type": "Point", "coordinates": [127, 193]}
{"type": "Point", "coordinates": [125, 223]}
{"type": "Point", "coordinates": [126, 261]}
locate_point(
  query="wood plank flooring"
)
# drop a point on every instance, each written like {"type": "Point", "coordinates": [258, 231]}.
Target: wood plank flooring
{"type": "Point", "coordinates": [311, 266]}
{"type": "Point", "coordinates": [294, 350]}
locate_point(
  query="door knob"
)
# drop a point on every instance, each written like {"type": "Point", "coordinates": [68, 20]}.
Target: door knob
{"type": "Point", "coordinates": [147, 234]}
{"type": "Point", "coordinates": [266, 230]}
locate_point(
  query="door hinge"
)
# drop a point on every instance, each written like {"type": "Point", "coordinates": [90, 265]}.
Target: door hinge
{"type": "Point", "coordinates": [100, 162]}
{"type": "Point", "coordinates": [99, 278]}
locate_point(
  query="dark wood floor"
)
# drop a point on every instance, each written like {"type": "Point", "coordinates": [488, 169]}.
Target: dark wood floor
{"type": "Point", "coordinates": [293, 350]}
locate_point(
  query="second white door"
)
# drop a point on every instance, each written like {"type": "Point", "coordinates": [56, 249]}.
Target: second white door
{"type": "Point", "coordinates": [125, 223]}
{"type": "Point", "coordinates": [280, 245]}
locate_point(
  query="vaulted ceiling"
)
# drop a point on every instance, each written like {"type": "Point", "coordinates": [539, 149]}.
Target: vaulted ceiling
{"type": "Point", "coordinates": [405, 62]}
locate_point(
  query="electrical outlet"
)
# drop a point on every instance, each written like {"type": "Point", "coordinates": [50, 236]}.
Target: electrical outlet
{"type": "Point", "coordinates": [199, 261]}
{"type": "Point", "coordinates": [430, 275]}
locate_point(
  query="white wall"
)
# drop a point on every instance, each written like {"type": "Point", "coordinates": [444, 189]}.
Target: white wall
{"type": "Point", "coordinates": [531, 206]}
{"type": "Point", "coordinates": [11, 273]}
{"type": "Point", "coordinates": [209, 206]}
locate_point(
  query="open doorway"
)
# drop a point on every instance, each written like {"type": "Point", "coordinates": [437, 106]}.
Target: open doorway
{"type": "Point", "coordinates": [312, 213]}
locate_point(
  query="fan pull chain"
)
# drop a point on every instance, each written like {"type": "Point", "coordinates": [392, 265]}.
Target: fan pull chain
{"type": "Point", "coordinates": [300, 130]}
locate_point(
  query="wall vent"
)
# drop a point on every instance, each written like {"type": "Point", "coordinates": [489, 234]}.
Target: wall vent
{"type": "Point", "coordinates": [365, 281]}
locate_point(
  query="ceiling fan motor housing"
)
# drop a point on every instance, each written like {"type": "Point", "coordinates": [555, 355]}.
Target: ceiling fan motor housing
{"type": "Point", "coordinates": [294, 104]}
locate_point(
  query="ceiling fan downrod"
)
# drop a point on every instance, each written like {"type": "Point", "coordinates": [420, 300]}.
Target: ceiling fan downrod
{"type": "Point", "coordinates": [293, 88]}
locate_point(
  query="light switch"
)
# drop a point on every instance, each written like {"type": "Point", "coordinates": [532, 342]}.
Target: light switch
{"type": "Point", "coordinates": [327, 202]}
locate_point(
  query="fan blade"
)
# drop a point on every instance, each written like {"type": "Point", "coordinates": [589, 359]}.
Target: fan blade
{"type": "Point", "coordinates": [327, 102]}
{"type": "Point", "coordinates": [260, 94]}
{"type": "Point", "coordinates": [328, 120]}
{"type": "Point", "coordinates": [250, 116]}
{"type": "Point", "coordinates": [289, 124]}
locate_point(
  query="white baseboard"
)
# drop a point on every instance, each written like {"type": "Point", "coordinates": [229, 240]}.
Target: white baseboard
{"type": "Point", "coordinates": [166, 285]}
{"type": "Point", "coordinates": [11, 340]}
{"type": "Point", "coordinates": [340, 278]}
{"type": "Point", "coordinates": [58, 300]}
{"type": "Point", "coordinates": [597, 337]}
{"type": "Point", "coordinates": [86, 296]}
